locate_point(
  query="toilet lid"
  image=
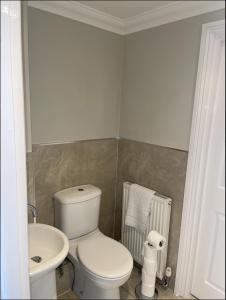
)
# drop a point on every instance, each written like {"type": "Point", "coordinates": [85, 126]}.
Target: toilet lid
{"type": "Point", "coordinates": [105, 257]}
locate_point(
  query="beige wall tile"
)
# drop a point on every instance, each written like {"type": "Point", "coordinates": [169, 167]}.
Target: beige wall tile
{"type": "Point", "coordinates": [161, 169]}
{"type": "Point", "coordinates": [106, 224]}
{"type": "Point", "coordinates": [30, 179]}
{"type": "Point", "coordinates": [61, 166]}
{"type": "Point", "coordinates": [30, 184]}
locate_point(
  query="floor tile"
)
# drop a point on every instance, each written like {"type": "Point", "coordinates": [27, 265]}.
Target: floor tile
{"type": "Point", "coordinates": [131, 284]}
{"type": "Point", "coordinates": [68, 295]}
{"type": "Point", "coordinates": [135, 279]}
{"type": "Point", "coordinates": [127, 291]}
{"type": "Point", "coordinates": [125, 295]}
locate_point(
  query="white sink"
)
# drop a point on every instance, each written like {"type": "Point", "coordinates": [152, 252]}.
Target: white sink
{"type": "Point", "coordinates": [49, 245]}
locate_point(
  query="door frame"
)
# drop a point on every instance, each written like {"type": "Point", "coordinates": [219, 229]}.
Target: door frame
{"type": "Point", "coordinates": [212, 35]}
{"type": "Point", "coordinates": [14, 225]}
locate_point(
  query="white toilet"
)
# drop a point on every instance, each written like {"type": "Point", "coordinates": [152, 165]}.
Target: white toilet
{"type": "Point", "coordinates": [101, 264]}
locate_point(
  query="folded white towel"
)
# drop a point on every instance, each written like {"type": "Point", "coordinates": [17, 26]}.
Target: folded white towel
{"type": "Point", "coordinates": [138, 207]}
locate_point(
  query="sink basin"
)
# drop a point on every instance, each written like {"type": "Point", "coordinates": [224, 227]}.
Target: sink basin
{"type": "Point", "coordinates": [48, 247]}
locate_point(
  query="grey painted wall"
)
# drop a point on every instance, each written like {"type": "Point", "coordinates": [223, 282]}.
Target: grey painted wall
{"type": "Point", "coordinates": [78, 72]}
{"type": "Point", "coordinates": [75, 79]}
{"type": "Point", "coordinates": [160, 75]}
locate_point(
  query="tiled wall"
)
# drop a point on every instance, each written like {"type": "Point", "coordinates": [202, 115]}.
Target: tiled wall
{"type": "Point", "coordinates": [51, 168]}
{"type": "Point", "coordinates": [30, 184]}
{"type": "Point", "coordinates": [107, 163]}
{"type": "Point", "coordinates": [60, 166]}
{"type": "Point", "coordinates": [161, 169]}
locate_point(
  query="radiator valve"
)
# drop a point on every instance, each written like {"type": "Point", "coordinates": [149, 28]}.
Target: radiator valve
{"type": "Point", "coordinates": [166, 278]}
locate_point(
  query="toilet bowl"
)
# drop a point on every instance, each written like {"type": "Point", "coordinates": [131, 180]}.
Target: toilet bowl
{"type": "Point", "coordinates": [101, 264]}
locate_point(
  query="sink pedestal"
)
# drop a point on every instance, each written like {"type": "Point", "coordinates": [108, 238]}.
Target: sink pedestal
{"type": "Point", "coordinates": [48, 247]}
{"type": "Point", "coordinates": [44, 287]}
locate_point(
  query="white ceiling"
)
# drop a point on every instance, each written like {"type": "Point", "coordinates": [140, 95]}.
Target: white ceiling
{"type": "Point", "coordinates": [126, 9]}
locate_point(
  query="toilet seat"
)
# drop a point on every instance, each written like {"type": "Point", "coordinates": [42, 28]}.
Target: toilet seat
{"type": "Point", "coordinates": [105, 257]}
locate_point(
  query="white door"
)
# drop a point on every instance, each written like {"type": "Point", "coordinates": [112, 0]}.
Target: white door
{"type": "Point", "coordinates": [209, 271]}
{"type": "Point", "coordinates": [14, 236]}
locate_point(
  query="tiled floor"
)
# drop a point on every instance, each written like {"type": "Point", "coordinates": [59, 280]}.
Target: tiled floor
{"type": "Point", "coordinates": [68, 295]}
{"type": "Point", "coordinates": [127, 291]}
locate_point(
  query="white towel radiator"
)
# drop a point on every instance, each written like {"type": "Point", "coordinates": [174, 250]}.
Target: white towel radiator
{"type": "Point", "coordinates": [158, 220]}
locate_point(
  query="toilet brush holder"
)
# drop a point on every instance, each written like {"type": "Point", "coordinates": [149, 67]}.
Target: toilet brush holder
{"type": "Point", "coordinates": [140, 296]}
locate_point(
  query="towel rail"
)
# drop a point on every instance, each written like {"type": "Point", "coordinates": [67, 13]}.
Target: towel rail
{"type": "Point", "coordinates": [159, 220]}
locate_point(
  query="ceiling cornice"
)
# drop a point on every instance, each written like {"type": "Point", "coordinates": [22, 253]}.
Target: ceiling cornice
{"type": "Point", "coordinates": [82, 13]}
{"type": "Point", "coordinates": [177, 10]}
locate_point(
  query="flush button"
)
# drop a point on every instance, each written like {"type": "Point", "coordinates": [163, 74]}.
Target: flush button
{"type": "Point", "coordinates": [80, 190]}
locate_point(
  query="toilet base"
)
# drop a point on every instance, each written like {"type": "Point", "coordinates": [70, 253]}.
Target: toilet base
{"type": "Point", "coordinates": [88, 285]}
{"type": "Point", "coordinates": [85, 288]}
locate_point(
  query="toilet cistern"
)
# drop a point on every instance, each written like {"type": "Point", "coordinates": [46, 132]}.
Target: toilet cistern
{"type": "Point", "coordinates": [34, 212]}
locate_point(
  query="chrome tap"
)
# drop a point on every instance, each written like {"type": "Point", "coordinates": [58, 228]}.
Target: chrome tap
{"type": "Point", "coordinates": [34, 212]}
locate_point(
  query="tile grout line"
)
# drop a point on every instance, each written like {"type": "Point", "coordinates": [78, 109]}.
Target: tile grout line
{"type": "Point", "coordinates": [62, 294]}
{"type": "Point", "coordinates": [116, 185]}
